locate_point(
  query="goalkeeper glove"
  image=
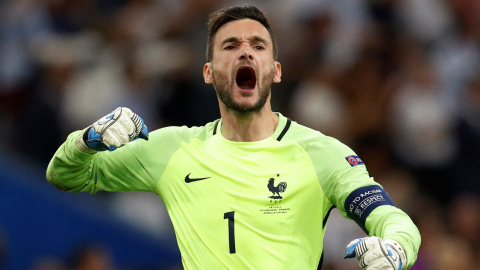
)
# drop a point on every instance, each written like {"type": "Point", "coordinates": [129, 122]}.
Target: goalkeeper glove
{"type": "Point", "coordinates": [113, 131]}
{"type": "Point", "coordinates": [377, 254]}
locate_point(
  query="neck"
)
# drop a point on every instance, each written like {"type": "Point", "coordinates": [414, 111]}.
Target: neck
{"type": "Point", "coordinates": [250, 126]}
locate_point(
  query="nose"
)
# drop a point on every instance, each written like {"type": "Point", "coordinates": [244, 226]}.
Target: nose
{"type": "Point", "coordinates": [246, 52]}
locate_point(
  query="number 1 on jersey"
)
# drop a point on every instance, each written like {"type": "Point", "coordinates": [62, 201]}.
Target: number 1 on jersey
{"type": "Point", "coordinates": [231, 230]}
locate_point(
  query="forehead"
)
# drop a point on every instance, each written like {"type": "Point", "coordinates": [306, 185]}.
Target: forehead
{"type": "Point", "coordinates": [243, 29]}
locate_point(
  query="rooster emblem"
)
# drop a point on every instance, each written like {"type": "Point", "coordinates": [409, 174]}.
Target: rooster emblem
{"type": "Point", "coordinates": [281, 187]}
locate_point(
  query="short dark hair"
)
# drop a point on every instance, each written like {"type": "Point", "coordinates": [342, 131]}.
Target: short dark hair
{"type": "Point", "coordinates": [223, 16]}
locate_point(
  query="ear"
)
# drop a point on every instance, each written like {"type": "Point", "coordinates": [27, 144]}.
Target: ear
{"type": "Point", "coordinates": [208, 73]}
{"type": "Point", "coordinates": [278, 72]}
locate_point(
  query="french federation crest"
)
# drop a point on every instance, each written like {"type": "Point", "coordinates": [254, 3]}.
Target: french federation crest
{"type": "Point", "coordinates": [280, 188]}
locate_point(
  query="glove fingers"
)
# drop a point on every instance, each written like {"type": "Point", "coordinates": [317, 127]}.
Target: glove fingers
{"type": "Point", "coordinates": [116, 136]}
{"type": "Point", "coordinates": [141, 130]}
{"type": "Point", "coordinates": [362, 263]}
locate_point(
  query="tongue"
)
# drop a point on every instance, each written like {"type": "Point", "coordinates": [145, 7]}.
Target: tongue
{"type": "Point", "coordinates": [246, 83]}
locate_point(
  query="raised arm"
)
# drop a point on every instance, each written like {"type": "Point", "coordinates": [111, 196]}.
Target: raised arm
{"type": "Point", "coordinates": [83, 163]}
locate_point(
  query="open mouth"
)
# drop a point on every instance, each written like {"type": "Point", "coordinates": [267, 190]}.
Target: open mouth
{"type": "Point", "coordinates": [246, 78]}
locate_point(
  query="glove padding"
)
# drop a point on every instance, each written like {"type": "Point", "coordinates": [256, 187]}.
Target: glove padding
{"type": "Point", "coordinates": [114, 130]}
{"type": "Point", "coordinates": [376, 254]}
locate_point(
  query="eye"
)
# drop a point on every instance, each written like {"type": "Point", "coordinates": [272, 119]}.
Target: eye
{"type": "Point", "coordinates": [229, 47]}
{"type": "Point", "coordinates": [259, 47]}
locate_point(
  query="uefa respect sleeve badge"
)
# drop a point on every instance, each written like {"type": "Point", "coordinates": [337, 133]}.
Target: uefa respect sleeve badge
{"type": "Point", "coordinates": [354, 160]}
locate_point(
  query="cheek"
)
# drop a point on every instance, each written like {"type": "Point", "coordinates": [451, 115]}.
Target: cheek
{"type": "Point", "coordinates": [268, 71]}
{"type": "Point", "coordinates": [220, 67]}
{"type": "Point", "coordinates": [220, 76]}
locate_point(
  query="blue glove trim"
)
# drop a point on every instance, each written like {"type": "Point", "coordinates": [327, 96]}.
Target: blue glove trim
{"type": "Point", "coordinates": [351, 251]}
{"type": "Point", "coordinates": [144, 132]}
{"type": "Point", "coordinates": [93, 140]}
{"type": "Point", "coordinates": [362, 201]}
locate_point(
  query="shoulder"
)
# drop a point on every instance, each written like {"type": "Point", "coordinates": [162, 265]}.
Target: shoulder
{"type": "Point", "coordinates": [312, 140]}
{"type": "Point", "coordinates": [183, 133]}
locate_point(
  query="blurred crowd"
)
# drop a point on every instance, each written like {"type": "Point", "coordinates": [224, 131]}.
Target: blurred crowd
{"type": "Point", "coordinates": [396, 80]}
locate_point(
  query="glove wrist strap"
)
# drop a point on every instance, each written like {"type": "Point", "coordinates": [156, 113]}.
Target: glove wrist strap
{"type": "Point", "coordinates": [82, 146]}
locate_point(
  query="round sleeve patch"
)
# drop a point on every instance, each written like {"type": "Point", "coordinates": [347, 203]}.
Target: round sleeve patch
{"type": "Point", "coordinates": [354, 160]}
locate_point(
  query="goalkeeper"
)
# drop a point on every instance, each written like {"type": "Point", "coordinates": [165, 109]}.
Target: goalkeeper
{"type": "Point", "coordinates": [251, 190]}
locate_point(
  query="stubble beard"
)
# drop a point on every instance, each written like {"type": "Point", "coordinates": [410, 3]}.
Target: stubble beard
{"type": "Point", "coordinates": [224, 90]}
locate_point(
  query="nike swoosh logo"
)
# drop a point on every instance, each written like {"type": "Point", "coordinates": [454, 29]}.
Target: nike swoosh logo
{"type": "Point", "coordinates": [189, 180]}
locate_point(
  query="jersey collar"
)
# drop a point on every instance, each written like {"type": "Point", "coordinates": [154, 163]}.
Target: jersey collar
{"type": "Point", "coordinates": [280, 131]}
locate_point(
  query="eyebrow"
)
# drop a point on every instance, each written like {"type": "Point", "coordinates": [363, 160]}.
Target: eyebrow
{"type": "Point", "coordinates": [236, 39]}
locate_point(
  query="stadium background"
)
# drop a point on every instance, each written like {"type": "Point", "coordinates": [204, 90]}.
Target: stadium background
{"type": "Point", "coordinates": [398, 81]}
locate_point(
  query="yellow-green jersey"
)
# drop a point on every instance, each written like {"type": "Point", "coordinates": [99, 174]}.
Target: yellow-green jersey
{"type": "Point", "coordinates": [243, 205]}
